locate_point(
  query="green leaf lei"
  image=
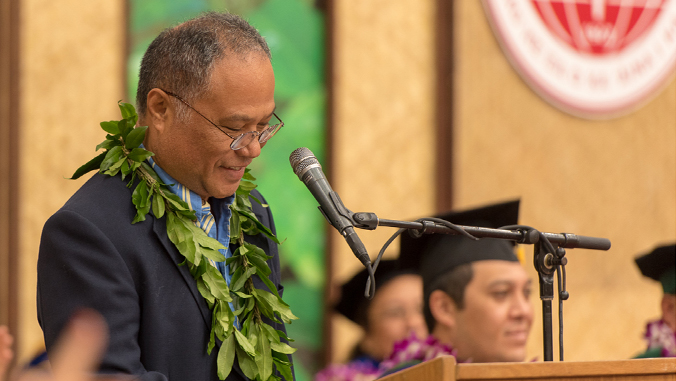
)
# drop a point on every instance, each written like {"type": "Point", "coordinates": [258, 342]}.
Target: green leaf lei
{"type": "Point", "coordinates": [258, 346]}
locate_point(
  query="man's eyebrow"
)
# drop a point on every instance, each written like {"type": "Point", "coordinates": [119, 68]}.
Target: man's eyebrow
{"type": "Point", "coordinates": [244, 117]}
{"type": "Point", "coordinates": [507, 282]}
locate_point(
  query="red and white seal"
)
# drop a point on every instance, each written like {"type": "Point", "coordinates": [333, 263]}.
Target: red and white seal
{"type": "Point", "coordinates": [592, 58]}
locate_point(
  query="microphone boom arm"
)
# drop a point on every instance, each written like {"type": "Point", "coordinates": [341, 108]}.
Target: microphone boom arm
{"type": "Point", "coordinates": [370, 221]}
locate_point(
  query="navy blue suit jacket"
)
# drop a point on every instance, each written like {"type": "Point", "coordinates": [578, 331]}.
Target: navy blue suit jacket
{"type": "Point", "coordinates": [92, 256]}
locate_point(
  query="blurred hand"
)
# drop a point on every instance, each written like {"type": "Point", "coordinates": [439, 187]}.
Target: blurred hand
{"type": "Point", "coordinates": [6, 353]}
{"type": "Point", "coordinates": [78, 352]}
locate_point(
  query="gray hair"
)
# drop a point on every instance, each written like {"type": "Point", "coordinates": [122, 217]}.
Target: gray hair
{"type": "Point", "coordinates": [453, 284]}
{"type": "Point", "coordinates": [181, 58]}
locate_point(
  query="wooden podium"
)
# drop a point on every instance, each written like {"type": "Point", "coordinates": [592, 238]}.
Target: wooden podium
{"type": "Point", "coordinates": [445, 369]}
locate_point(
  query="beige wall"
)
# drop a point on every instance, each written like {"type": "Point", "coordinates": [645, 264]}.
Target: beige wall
{"type": "Point", "coordinates": [383, 157]}
{"type": "Point", "coordinates": [71, 79]}
{"type": "Point", "coordinates": [614, 179]}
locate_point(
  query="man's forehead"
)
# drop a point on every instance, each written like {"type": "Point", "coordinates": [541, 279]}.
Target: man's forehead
{"type": "Point", "coordinates": [494, 272]}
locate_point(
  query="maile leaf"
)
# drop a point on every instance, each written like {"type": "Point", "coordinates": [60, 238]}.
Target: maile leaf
{"type": "Point", "coordinates": [226, 357]}
{"type": "Point", "coordinates": [139, 154]}
{"type": "Point", "coordinates": [135, 138]}
{"type": "Point", "coordinates": [244, 343]}
{"type": "Point", "coordinates": [127, 110]}
{"type": "Point", "coordinates": [91, 165]}
{"type": "Point", "coordinates": [110, 127]}
{"type": "Point", "coordinates": [158, 206]}
{"type": "Point", "coordinates": [107, 144]}
{"type": "Point", "coordinates": [282, 348]}
{"type": "Point", "coordinates": [247, 365]}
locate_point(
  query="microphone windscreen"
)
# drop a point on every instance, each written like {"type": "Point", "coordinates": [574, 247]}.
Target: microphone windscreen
{"type": "Point", "coordinates": [301, 159]}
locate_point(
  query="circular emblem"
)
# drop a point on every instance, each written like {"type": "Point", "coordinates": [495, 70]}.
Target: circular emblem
{"type": "Point", "coordinates": [591, 58]}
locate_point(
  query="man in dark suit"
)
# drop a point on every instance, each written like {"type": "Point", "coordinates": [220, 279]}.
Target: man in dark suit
{"type": "Point", "coordinates": [206, 93]}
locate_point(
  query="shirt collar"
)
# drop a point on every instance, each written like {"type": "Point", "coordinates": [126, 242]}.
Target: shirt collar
{"type": "Point", "coordinates": [191, 198]}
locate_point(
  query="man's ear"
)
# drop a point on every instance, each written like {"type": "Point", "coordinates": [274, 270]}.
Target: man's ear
{"type": "Point", "coordinates": [157, 109]}
{"type": "Point", "coordinates": [443, 309]}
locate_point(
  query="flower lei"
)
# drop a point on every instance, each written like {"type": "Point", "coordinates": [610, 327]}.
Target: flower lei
{"type": "Point", "coordinates": [413, 348]}
{"type": "Point", "coordinates": [404, 352]}
{"type": "Point", "coordinates": [258, 346]}
{"type": "Point", "coordinates": [659, 335]}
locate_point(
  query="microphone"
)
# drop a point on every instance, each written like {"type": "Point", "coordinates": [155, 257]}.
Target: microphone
{"type": "Point", "coordinates": [306, 166]}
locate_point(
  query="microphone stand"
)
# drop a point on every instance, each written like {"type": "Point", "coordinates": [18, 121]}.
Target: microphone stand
{"type": "Point", "coordinates": [548, 257]}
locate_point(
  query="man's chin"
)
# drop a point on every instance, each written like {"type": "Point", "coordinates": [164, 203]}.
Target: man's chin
{"type": "Point", "coordinates": [224, 191]}
{"type": "Point", "coordinates": [517, 355]}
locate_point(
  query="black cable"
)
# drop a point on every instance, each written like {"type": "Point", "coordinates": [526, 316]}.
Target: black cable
{"type": "Point", "coordinates": [561, 290]}
{"type": "Point", "coordinates": [370, 289]}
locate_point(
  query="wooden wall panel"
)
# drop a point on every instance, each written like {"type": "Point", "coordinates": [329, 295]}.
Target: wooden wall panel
{"type": "Point", "coordinates": [72, 76]}
{"type": "Point", "coordinates": [383, 123]}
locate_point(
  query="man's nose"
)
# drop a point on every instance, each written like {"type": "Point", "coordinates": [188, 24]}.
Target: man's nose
{"type": "Point", "coordinates": [521, 308]}
{"type": "Point", "coordinates": [252, 150]}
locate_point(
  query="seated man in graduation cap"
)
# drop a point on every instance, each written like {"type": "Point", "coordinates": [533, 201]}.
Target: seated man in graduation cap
{"type": "Point", "coordinates": [476, 293]}
{"type": "Point", "coordinates": [660, 265]}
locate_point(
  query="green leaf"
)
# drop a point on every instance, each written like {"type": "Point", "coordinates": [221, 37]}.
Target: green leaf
{"type": "Point", "coordinates": [152, 173]}
{"type": "Point", "coordinates": [261, 265]}
{"type": "Point", "coordinates": [124, 127]}
{"type": "Point", "coordinates": [205, 292]}
{"type": "Point", "coordinates": [264, 360]}
{"type": "Point", "coordinates": [283, 367]}
{"type": "Point", "coordinates": [243, 295]}
{"type": "Point", "coordinates": [283, 335]}
{"type": "Point", "coordinates": [268, 283]}
{"type": "Point", "coordinates": [213, 278]}
{"type": "Point", "coordinates": [247, 365]}
{"type": "Point", "coordinates": [282, 348]}
{"type": "Point", "coordinates": [110, 127]}
{"type": "Point", "coordinates": [246, 186]}
{"type": "Point", "coordinates": [271, 332]}
{"type": "Point", "coordinates": [107, 144]}
{"type": "Point", "coordinates": [212, 254]}
{"type": "Point", "coordinates": [91, 165]}
{"type": "Point", "coordinates": [139, 154]}
{"type": "Point", "coordinates": [260, 226]}
{"type": "Point", "coordinates": [235, 227]}
{"type": "Point", "coordinates": [205, 241]}
{"type": "Point", "coordinates": [127, 110]}
{"type": "Point", "coordinates": [278, 305]}
{"type": "Point", "coordinates": [115, 168]}
{"type": "Point", "coordinates": [226, 357]}
{"type": "Point", "coordinates": [244, 343]}
{"type": "Point", "coordinates": [240, 280]}
{"type": "Point", "coordinates": [158, 206]}
{"type": "Point", "coordinates": [135, 138]}
{"type": "Point", "coordinates": [112, 156]}
{"type": "Point", "coordinates": [247, 175]}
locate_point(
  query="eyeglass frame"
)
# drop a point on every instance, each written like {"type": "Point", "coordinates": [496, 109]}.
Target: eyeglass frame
{"type": "Point", "coordinates": [238, 138]}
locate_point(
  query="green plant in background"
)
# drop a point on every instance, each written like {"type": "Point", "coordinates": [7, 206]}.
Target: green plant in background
{"type": "Point", "coordinates": [258, 347]}
{"type": "Point", "coordinates": [294, 30]}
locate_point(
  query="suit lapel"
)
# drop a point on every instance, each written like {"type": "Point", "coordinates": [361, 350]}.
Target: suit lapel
{"type": "Point", "coordinates": [160, 229]}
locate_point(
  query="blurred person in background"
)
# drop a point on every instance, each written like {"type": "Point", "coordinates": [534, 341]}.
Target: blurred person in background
{"type": "Point", "coordinates": [476, 293]}
{"type": "Point", "coordinates": [6, 352]}
{"type": "Point", "coordinates": [660, 265]}
{"type": "Point", "coordinates": [394, 313]}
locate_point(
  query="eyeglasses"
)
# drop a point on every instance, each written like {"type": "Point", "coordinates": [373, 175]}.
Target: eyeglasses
{"type": "Point", "coordinates": [242, 140]}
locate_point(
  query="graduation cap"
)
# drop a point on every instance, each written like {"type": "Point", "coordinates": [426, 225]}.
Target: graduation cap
{"type": "Point", "coordinates": [660, 265]}
{"type": "Point", "coordinates": [353, 304]}
{"type": "Point", "coordinates": [434, 255]}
